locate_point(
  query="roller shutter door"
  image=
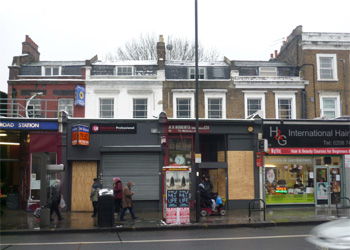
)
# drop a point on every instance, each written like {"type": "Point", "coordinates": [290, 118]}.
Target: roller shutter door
{"type": "Point", "coordinates": [141, 168]}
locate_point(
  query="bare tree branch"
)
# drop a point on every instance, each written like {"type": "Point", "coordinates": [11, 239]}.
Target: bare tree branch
{"type": "Point", "coordinates": [145, 48]}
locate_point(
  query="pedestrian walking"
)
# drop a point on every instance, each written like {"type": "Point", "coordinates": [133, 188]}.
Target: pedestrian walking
{"type": "Point", "coordinates": [94, 196]}
{"type": "Point", "coordinates": [118, 194]}
{"type": "Point", "coordinates": [54, 200]}
{"type": "Point", "coordinates": [127, 201]}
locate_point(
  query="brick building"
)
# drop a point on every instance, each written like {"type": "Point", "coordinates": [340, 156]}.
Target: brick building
{"type": "Point", "coordinates": [323, 59]}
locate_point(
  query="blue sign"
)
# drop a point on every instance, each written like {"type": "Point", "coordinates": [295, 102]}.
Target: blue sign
{"type": "Point", "coordinates": [79, 98]}
{"type": "Point", "coordinates": [21, 125]}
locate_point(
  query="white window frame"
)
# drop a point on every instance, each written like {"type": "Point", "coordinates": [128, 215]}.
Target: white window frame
{"type": "Point", "coordinates": [201, 71]}
{"type": "Point", "coordinates": [215, 94]}
{"type": "Point", "coordinates": [99, 106]}
{"type": "Point", "coordinates": [121, 67]}
{"type": "Point", "coordinates": [43, 70]}
{"type": "Point", "coordinates": [147, 107]}
{"type": "Point", "coordinates": [183, 93]}
{"type": "Point", "coordinates": [334, 67]}
{"type": "Point", "coordinates": [286, 95]}
{"type": "Point", "coordinates": [336, 96]}
{"type": "Point", "coordinates": [65, 105]}
{"type": "Point", "coordinates": [267, 71]}
{"type": "Point", "coordinates": [254, 95]}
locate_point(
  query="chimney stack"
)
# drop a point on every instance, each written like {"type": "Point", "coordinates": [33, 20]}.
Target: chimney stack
{"type": "Point", "coordinates": [30, 48]}
{"type": "Point", "coordinates": [161, 52]}
{"type": "Point", "coordinates": [276, 53]}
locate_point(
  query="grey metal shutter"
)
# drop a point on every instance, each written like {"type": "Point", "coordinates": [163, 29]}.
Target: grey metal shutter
{"type": "Point", "coordinates": [140, 168]}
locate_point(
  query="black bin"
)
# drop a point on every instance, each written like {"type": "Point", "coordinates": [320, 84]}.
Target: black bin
{"type": "Point", "coordinates": [106, 211]}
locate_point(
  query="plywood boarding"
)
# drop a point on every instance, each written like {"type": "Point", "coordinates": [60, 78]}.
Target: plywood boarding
{"type": "Point", "coordinates": [221, 156]}
{"type": "Point", "coordinates": [218, 178]}
{"type": "Point", "coordinates": [83, 173]}
{"type": "Point", "coordinates": [240, 175]}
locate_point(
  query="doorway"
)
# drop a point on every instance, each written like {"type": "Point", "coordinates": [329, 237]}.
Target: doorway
{"type": "Point", "coordinates": [327, 185]}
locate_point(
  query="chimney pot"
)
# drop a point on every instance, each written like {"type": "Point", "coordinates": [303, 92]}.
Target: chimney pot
{"type": "Point", "coordinates": [276, 53]}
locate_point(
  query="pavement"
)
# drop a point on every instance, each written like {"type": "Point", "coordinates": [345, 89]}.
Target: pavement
{"type": "Point", "coordinates": [16, 222]}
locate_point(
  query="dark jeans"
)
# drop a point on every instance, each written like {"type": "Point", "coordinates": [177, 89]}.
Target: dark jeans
{"type": "Point", "coordinates": [95, 205]}
{"type": "Point", "coordinates": [118, 205]}
{"type": "Point", "coordinates": [130, 210]}
{"type": "Point", "coordinates": [54, 207]}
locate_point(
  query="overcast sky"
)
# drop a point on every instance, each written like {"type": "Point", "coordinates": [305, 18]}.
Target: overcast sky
{"type": "Point", "coordinates": [239, 30]}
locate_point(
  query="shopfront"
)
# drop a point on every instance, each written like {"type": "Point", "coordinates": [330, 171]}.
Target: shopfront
{"type": "Point", "coordinates": [305, 163]}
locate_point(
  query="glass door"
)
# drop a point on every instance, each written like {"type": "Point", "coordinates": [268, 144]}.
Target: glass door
{"type": "Point", "coordinates": [327, 186]}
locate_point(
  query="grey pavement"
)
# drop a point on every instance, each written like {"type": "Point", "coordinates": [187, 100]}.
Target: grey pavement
{"type": "Point", "coordinates": [23, 222]}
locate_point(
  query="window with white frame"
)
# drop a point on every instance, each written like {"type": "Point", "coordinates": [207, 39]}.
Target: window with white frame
{"type": "Point", "coordinates": [51, 70]}
{"type": "Point", "coordinates": [267, 71]}
{"type": "Point", "coordinates": [124, 70]}
{"type": "Point", "coordinates": [327, 67]}
{"type": "Point", "coordinates": [183, 103]}
{"type": "Point", "coordinates": [215, 103]}
{"type": "Point", "coordinates": [192, 73]}
{"type": "Point", "coordinates": [106, 108]}
{"type": "Point", "coordinates": [66, 104]}
{"type": "Point", "coordinates": [254, 102]}
{"type": "Point", "coordinates": [285, 105]}
{"type": "Point", "coordinates": [140, 108]}
{"type": "Point", "coordinates": [330, 105]}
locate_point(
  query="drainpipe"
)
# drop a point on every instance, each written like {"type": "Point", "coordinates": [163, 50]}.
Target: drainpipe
{"type": "Point", "coordinates": [346, 96]}
{"type": "Point", "coordinates": [313, 79]}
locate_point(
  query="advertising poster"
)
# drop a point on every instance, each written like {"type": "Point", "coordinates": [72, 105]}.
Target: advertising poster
{"type": "Point", "coordinates": [322, 191]}
{"type": "Point", "coordinates": [177, 192]}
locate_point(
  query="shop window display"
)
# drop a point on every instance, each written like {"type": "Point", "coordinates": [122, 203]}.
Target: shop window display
{"type": "Point", "coordinates": [180, 151]}
{"type": "Point", "coordinates": [289, 180]}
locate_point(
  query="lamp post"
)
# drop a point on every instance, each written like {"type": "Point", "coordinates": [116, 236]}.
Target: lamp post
{"type": "Point", "coordinates": [32, 97]}
{"type": "Point", "coordinates": [196, 141]}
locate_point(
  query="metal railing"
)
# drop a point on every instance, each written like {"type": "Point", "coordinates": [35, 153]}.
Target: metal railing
{"type": "Point", "coordinates": [41, 108]}
{"type": "Point", "coordinates": [342, 206]}
{"type": "Point", "coordinates": [257, 205]}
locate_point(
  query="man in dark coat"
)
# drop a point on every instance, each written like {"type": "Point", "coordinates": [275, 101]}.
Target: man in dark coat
{"type": "Point", "coordinates": [54, 199]}
{"type": "Point", "coordinates": [205, 197]}
{"type": "Point", "coordinates": [127, 201]}
{"type": "Point", "coordinates": [207, 184]}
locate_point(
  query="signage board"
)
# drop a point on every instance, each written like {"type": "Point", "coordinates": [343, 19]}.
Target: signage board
{"type": "Point", "coordinates": [80, 135]}
{"type": "Point", "coordinates": [263, 145]}
{"type": "Point", "coordinates": [113, 128]}
{"type": "Point", "coordinates": [308, 151]}
{"type": "Point", "coordinates": [307, 135]}
{"type": "Point", "coordinates": [33, 125]}
{"type": "Point", "coordinates": [203, 129]}
{"type": "Point", "coordinates": [79, 97]}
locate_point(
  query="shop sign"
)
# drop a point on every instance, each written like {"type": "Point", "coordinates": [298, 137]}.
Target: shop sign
{"type": "Point", "coordinates": [80, 135]}
{"type": "Point", "coordinates": [28, 125]}
{"type": "Point", "coordinates": [79, 97]}
{"type": "Point", "coordinates": [313, 136]}
{"type": "Point", "coordinates": [204, 129]}
{"type": "Point", "coordinates": [309, 151]}
{"type": "Point", "coordinates": [281, 190]}
{"type": "Point", "coordinates": [113, 128]}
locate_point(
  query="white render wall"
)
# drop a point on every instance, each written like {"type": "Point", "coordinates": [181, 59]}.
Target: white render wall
{"type": "Point", "coordinates": [123, 91]}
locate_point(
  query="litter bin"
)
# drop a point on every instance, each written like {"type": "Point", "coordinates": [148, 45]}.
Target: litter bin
{"type": "Point", "coordinates": [106, 209]}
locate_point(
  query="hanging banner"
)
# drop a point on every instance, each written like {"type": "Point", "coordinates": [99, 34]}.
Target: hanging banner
{"type": "Point", "coordinates": [80, 135]}
{"type": "Point", "coordinates": [79, 97]}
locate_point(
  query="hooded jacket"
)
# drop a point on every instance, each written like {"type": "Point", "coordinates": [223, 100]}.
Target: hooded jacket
{"type": "Point", "coordinates": [94, 191]}
{"type": "Point", "coordinates": [127, 195]}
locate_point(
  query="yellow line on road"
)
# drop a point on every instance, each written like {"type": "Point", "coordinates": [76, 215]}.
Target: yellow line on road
{"type": "Point", "coordinates": [153, 241]}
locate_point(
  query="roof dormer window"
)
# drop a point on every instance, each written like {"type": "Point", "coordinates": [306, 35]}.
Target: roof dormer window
{"type": "Point", "coordinates": [51, 70]}
{"type": "Point", "coordinates": [267, 71]}
{"type": "Point", "coordinates": [192, 73]}
{"type": "Point", "coordinates": [125, 71]}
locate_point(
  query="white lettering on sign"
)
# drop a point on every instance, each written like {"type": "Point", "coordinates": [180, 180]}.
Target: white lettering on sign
{"type": "Point", "coordinates": [7, 124]}
{"type": "Point", "coordinates": [28, 125]}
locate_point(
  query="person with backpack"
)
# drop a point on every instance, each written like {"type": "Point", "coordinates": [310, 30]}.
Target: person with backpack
{"type": "Point", "coordinates": [118, 194]}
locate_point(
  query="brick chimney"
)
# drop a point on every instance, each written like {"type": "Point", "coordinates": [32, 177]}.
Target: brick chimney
{"type": "Point", "coordinates": [31, 48]}
{"type": "Point", "coordinates": [161, 52]}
